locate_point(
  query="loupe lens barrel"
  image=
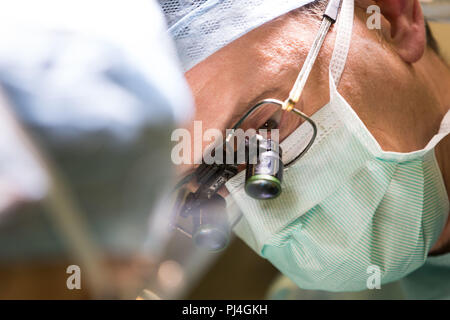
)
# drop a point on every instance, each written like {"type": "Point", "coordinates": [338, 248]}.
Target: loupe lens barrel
{"type": "Point", "coordinates": [263, 178]}
{"type": "Point", "coordinates": [211, 226]}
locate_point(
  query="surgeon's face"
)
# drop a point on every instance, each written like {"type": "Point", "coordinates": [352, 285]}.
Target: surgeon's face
{"type": "Point", "coordinates": [387, 79]}
{"type": "Point", "coordinates": [265, 62]}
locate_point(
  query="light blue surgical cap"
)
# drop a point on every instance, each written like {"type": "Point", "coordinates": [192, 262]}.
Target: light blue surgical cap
{"type": "Point", "coordinates": [201, 27]}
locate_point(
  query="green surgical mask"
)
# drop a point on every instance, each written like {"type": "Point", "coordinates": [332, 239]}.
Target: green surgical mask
{"type": "Point", "coordinates": [347, 205]}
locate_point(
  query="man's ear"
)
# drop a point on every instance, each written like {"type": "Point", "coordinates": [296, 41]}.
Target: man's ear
{"type": "Point", "coordinates": [408, 35]}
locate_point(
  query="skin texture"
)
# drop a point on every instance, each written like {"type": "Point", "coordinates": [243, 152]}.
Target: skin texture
{"type": "Point", "coordinates": [395, 83]}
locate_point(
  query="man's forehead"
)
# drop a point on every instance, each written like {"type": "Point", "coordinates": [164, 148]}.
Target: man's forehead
{"type": "Point", "coordinates": [201, 27]}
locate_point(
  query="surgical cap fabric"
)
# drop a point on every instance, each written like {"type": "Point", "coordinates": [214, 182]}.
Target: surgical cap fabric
{"type": "Point", "coordinates": [201, 27]}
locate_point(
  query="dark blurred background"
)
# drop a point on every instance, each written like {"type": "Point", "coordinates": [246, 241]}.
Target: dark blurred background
{"type": "Point", "coordinates": [238, 274]}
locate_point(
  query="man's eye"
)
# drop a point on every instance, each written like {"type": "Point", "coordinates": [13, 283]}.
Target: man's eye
{"type": "Point", "coordinates": [270, 124]}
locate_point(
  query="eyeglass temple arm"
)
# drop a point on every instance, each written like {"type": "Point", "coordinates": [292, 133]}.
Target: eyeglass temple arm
{"type": "Point", "coordinates": [332, 9]}
{"type": "Point", "coordinates": [329, 17]}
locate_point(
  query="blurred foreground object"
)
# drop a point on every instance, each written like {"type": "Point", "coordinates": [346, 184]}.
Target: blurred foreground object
{"type": "Point", "coordinates": [98, 99]}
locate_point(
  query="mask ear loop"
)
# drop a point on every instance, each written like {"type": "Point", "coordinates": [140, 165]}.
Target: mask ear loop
{"type": "Point", "coordinates": [329, 18]}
